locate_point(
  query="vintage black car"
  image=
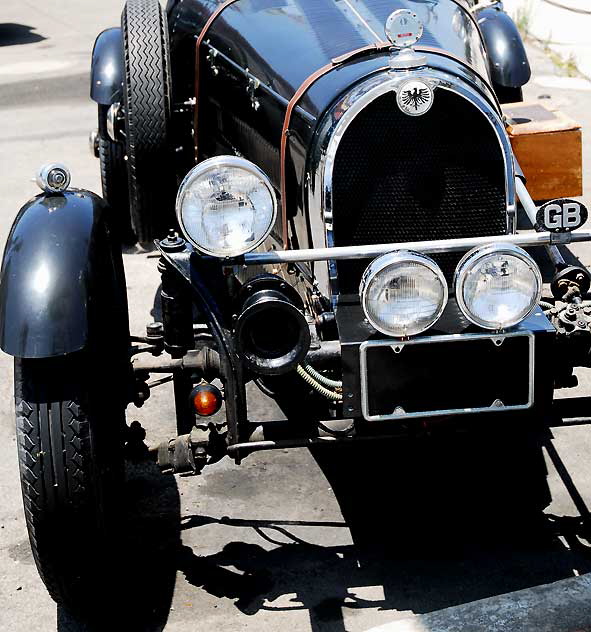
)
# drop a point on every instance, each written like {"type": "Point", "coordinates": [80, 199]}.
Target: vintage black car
{"type": "Point", "coordinates": [345, 224]}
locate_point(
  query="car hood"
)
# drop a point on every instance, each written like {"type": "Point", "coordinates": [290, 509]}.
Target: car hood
{"type": "Point", "coordinates": [283, 42]}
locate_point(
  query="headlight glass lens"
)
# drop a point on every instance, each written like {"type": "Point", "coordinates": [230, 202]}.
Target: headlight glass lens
{"type": "Point", "coordinates": [403, 293]}
{"type": "Point", "coordinates": [497, 286]}
{"type": "Point", "coordinates": [226, 206]}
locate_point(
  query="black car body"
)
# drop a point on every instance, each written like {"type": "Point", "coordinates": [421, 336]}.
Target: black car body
{"type": "Point", "coordinates": [377, 155]}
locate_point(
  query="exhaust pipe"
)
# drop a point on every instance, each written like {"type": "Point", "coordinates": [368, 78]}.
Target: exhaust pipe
{"type": "Point", "coordinates": [272, 334]}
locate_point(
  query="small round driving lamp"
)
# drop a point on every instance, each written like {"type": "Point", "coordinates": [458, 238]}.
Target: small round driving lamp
{"type": "Point", "coordinates": [497, 286]}
{"type": "Point", "coordinates": [403, 293]}
{"type": "Point", "coordinates": [53, 178]}
{"type": "Point", "coordinates": [226, 206]}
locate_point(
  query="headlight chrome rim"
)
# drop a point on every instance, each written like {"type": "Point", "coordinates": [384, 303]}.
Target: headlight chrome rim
{"type": "Point", "coordinates": [210, 165]}
{"type": "Point", "coordinates": [476, 255]}
{"type": "Point", "coordinates": [402, 256]}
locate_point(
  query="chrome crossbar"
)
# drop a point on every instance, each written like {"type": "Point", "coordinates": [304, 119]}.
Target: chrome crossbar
{"type": "Point", "coordinates": [436, 246]}
{"type": "Point", "coordinates": [428, 247]}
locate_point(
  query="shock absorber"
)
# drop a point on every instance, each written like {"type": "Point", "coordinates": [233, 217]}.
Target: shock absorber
{"type": "Point", "coordinates": [177, 319]}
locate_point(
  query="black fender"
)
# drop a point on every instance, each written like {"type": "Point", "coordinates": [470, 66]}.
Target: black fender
{"type": "Point", "coordinates": [61, 278]}
{"type": "Point", "coordinates": [107, 68]}
{"type": "Point", "coordinates": [509, 66]}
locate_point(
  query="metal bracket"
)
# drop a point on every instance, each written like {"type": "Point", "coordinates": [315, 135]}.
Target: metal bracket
{"type": "Point", "coordinates": [570, 282]}
{"type": "Point", "coordinates": [211, 58]}
{"type": "Point", "coordinates": [114, 120]}
{"type": "Point", "coordinates": [405, 58]}
{"type": "Point", "coordinates": [192, 269]}
{"type": "Point", "coordinates": [190, 453]}
{"type": "Point", "coordinates": [251, 87]}
{"type": "Point", "coordinates": [177, 456]}
{"type": "Point", "coordinates": [560, 238]}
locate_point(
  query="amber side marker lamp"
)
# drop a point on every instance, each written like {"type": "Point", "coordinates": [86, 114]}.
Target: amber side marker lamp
{"type": "Point", "coordinates": [207, 399]}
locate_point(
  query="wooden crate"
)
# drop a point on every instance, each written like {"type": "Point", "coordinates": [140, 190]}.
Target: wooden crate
{"type": "Point", "coordinates": [548, 147]}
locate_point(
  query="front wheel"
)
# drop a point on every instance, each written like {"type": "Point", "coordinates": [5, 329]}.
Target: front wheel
{"type": "Point", "coordinates": [69, 433]}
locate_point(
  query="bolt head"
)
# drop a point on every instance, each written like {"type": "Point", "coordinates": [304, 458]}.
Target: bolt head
{"type": "Point", "coordinates": [155, 329]}
{"type": "Point", "coordinates": [173, 243]}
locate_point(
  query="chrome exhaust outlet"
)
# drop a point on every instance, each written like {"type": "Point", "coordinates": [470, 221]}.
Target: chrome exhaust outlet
{"type": "Point", "coordinates": [272, 334]}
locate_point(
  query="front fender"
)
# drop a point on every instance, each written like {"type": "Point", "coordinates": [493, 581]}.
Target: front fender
{"type": "Point", "coordinates": [509, 65]}
{"type": "Point", "coordinates": [59, 272]}
{"type": "Point", "coordinates": [106, 72]}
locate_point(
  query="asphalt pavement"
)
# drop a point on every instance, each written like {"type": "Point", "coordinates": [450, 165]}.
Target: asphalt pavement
{"type": "Point", "coordinates": [403, 535]}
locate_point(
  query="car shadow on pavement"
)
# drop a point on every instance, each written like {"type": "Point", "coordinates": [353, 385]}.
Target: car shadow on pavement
{"type": "Point", "coordinates": [435, 523]}
{"type": "Point", "coordinates": [142, 585]}
{"type": "Point", "coordinates": [16, 34]}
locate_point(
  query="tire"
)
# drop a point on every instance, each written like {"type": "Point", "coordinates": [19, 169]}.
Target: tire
{"type": "Point", "coordinates": [147, 96]}
{"type": "Point", "coordinates": [114, 180]}
{"type": "Point", "coordinates": [70, 443]}
{"type": "Point", "coordinates": [508, 95]}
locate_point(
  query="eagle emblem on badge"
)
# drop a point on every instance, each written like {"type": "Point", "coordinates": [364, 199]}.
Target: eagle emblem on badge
{"type": "Point", "coordinates": [415, 97]}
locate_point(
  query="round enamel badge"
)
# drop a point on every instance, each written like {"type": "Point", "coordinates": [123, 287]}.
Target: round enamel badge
{"type": "Point", "coordinates": [415, 97]}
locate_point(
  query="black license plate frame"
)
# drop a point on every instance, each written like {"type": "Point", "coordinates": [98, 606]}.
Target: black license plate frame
{"type": "Point", "coordinates": [481, 340]}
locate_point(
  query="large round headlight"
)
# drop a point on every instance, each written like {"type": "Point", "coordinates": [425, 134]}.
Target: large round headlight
{"type": "Point", "coordinates": [403, 293]}
{"type": "Point", "coordinates": [497, 286]}
{"type": "Point", "coordinates": [226, 206]}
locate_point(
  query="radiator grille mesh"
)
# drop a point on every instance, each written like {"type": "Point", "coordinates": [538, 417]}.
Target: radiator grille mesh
{"type": "Point", "coordinates": [403, 178]}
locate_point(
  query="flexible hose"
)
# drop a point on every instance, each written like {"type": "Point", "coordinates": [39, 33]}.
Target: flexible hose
{"type": "Point", "coordinates": [322, 390]}
{"type": "Point", "coordinates": [325, 381]}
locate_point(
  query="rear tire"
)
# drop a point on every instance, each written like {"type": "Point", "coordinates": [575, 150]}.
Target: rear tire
{"type": "Point", "coordinates": [148, 94]}
{"type": "Point", "coordinates": [70, 443]}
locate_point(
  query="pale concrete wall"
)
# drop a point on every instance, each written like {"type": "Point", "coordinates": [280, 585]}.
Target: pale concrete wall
{"type": "Point", "coordinates": [566, 32]}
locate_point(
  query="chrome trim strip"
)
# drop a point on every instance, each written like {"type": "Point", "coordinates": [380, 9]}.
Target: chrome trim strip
{"type": "Point", "coordinates": [428, 247]}
{"type": "Point", "coordinates": [360, 18]}
{"type": "Point", "coordinates": [434, 340]}
{"type": "Point", "coordinates": [344, 112]}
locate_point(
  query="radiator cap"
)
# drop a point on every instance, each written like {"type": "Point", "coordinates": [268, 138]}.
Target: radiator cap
{"type": "Point", "coordinates": [403, 28]}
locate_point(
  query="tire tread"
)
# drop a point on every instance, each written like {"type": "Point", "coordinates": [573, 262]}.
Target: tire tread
{"type": "Point", "coordinates": [148, 110]}
{"type": "Point", "coordinates": [54, 453]}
